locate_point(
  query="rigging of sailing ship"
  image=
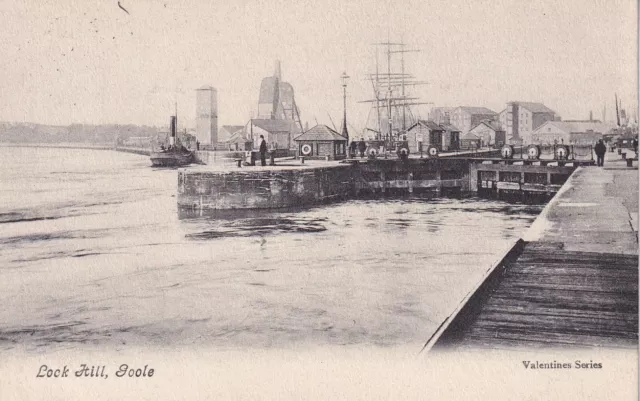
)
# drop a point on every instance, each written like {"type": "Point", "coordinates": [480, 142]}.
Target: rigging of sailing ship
{"type": "Point", "coordinates": [391, 111]}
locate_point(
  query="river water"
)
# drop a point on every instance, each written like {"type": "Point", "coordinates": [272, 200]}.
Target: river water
{"type": "Point", "coordinates": [93, 252]}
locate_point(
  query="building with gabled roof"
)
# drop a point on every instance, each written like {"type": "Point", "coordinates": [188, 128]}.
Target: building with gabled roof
{"type": "Point", "coordinates": [570, 132]}
{"type": "Point", "coordinates": [321, 142]}
{"type": "Point", "coordinates": [470, 141]}
{"type": "Point", "coordinates": [462, 117]}
{"type": "Point", "coordinates": [278, 134]}
{"type": "Point", "coordinates": [239, 141]}
{"type": "Point", "coordinates": [226, 132]}
{"type": "Point", "coordinates": [520, 119]}
{"type": "Point", "coordinates": [490, 133]}
{"type": "Point", "coordinates": [450, 137]}
{"type": "Point", "coordinates": [441, 115]}
{"type": "Point", "coordinates": [424, 133]}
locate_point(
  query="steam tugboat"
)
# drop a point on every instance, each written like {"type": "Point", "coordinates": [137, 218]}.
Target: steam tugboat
{"type": "Point", "coordinates": [175, 154]}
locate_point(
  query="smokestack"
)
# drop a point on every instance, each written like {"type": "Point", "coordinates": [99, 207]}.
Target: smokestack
{"type": "Point", "coordinates": [173, 126]}
{"type": "Point", "coordinates": [278, 72]}
{"type": "Point", "coordinates": [590, 115]}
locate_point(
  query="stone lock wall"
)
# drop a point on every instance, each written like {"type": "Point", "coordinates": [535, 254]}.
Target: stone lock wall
{"type": "Point", "coordinates": [263, 189]}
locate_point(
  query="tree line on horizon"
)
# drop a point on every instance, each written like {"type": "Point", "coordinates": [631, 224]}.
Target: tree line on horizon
{"type": "Point", "coordinates": [82, 133]}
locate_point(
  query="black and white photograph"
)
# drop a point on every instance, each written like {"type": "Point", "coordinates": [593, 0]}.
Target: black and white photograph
{"type": "Point", "coordinates": [327, 200]}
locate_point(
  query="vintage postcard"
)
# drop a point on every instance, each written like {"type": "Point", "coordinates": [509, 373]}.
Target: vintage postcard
{"type": "Point", "coordinates": [330, 200]}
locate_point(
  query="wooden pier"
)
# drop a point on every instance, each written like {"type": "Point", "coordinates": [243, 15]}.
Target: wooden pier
{"type": "Point", "coordinates": [571, 283]}
{"type": "Point", "coordinates": [548, 297]}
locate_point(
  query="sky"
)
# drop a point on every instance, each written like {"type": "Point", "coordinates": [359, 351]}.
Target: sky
{"type": "Point", "coordinates": [83, 61]}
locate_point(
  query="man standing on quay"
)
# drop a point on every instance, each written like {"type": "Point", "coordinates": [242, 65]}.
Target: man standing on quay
{"type": "Point", "coordinates": [600, 151]}
{"type": "Point", "coordinates": [263, 151]}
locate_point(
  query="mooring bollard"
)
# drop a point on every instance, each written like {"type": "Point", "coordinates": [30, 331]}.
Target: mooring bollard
{"type": "Point", "coordinates": [327, 158]}
{"type": "Point", "coordinates": [272, 159]}
{"type": "Point", "coordinates": [629, 162]}
{"type": "Point", "coordinates": [301, 159]}
{"type": "Point", "coordinates": [239, 162]}
{"type": "Point", "coordinates": [624, 156]}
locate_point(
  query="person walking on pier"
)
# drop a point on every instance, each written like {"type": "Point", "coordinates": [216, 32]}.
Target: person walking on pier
{"type": "Point", "coordinates": [600, 150]}
{"type": "Point", "coordinates": [362, 146]}
{"type": "Point", "coordinates": [263, 151]}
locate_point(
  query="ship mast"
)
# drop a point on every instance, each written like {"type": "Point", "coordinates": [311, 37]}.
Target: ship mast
{"type": "Point", "coordinates": [404, 117]}
{"type": "Point", "coordinates": [390, 128]}
{"type": "Point", "coordinates": [393, 88]}
{"type": "Point", "coordinates": [377, 94]}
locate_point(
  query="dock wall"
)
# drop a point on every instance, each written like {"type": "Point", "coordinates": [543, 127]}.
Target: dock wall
{"type": "Point", "coordinates": [295, 184]}
{"type": "Point", "coordinates": [263, 189]}
{"type": "Point", "coordinates": [218, 157]}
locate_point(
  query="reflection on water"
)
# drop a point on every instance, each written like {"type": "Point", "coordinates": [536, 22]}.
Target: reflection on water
{"type": "Point", "coordinates": [93, 250]}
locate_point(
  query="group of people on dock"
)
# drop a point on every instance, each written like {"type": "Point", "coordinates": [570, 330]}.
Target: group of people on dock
{"type": "Point", "coordinates": [359, 147]}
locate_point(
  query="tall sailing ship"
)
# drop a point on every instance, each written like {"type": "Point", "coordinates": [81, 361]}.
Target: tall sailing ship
{"type": "Point", "coordinates": [392, 106]}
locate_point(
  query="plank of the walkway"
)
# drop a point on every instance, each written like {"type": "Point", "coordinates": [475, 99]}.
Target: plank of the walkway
{"type": "Point", "coordinates": [540, 340]}
{"type": "Point", "coordinates": [551, 308]}
{"type": "Point", "coordinates": [547, 322]}
{"type": "Point", "coordinates": [550, 297]}
{"type": "Point", "coordinates": [575, 299]}
{"type": "Point", "coordinates": [577, 256]}
{"type": "Point", "coordinates": [562, 284]}
{"type": "Point", "coordinates": [549, 338]}
{"type": "Point", "coordinates": [563, 269]}
{"type": "Point", "coordinates": [576, 262]}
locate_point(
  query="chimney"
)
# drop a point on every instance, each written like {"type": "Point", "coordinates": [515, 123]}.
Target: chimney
{"type": "Point", "coordinates": [590, 116]}
{"type": "Point", "coordinates": [173, 126]}
{"type": "Point", "coordinates": [278, 73]}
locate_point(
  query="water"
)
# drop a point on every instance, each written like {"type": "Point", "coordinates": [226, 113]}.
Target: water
{"type": "Point", "coordinates": [94, 252]}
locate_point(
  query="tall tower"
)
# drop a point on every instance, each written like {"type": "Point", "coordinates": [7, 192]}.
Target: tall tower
{"type": "Point", "coordinates": [207, 115]}
{"type": "Point", "coordinates": [278, 72]}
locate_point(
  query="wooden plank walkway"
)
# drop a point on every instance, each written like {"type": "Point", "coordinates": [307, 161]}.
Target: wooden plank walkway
{"type": "Point", "coordinates": [571, 282]}
{"type": "Point", "coordinates": [548, 297]}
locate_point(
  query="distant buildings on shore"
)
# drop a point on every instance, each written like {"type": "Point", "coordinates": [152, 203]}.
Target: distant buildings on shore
{"type": "Point", "coordinates": [462, 117]}
{"type": "Point", "coordinates": [576, 132]}
{"type": "Point", "coordinates": [514, 124]}
{"type": "Point", "coordinates": [278, 121]}
{"type": "Point", "coordinates": [520, 119]}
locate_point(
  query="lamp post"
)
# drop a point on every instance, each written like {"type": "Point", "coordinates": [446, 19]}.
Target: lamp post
{"type": "Point", "coordinates": [344, 77]}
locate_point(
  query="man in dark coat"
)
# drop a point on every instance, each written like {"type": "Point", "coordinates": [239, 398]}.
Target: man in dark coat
{"type": "Point", "coordinates": [353, 149]}
{"type": "Point", "coordinates": [362, 146]}
{"type": "Point", "coordinates": [263, 151]}
{"type": "Point", "coordinates": [600, 150]}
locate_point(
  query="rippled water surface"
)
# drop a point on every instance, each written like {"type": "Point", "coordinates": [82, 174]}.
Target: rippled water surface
{"type": "Point", "coordinates": [93, 251]}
